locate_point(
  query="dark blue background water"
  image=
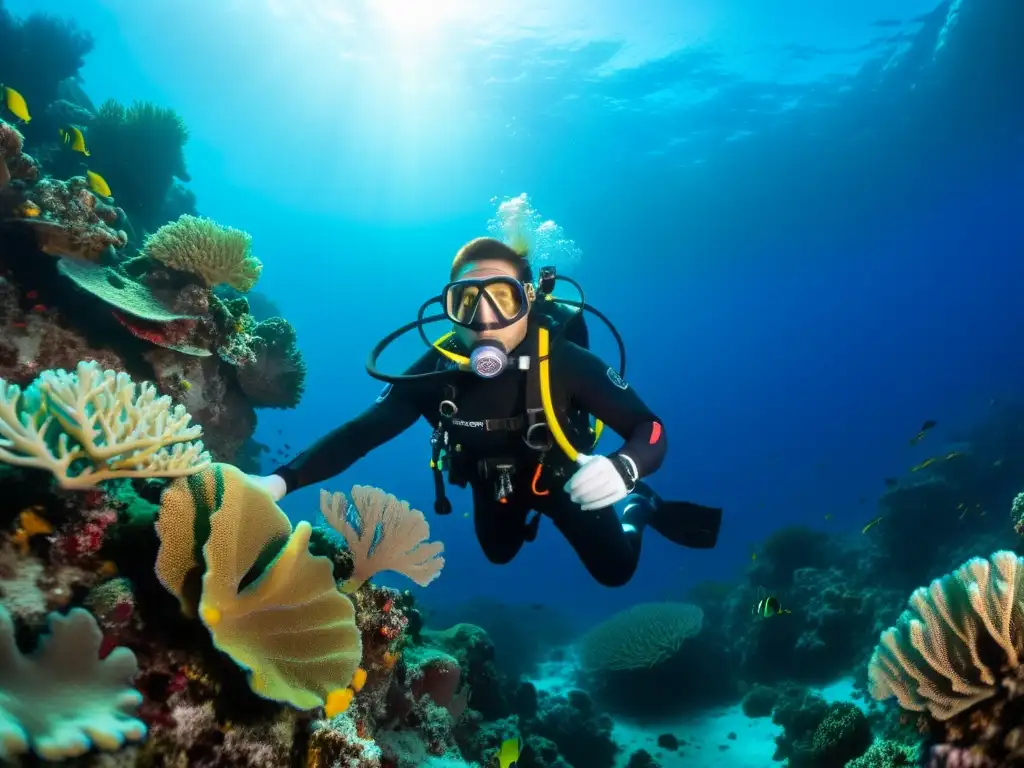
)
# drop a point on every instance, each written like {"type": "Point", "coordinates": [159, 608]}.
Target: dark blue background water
{"type": "Point", "coordinates": [808, 225]}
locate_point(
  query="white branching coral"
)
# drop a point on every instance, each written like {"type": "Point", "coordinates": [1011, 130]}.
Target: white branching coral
{"type": "Point", "coordinates": [204, 248]}
{"type": "Point", "coordinates": [94, 425]}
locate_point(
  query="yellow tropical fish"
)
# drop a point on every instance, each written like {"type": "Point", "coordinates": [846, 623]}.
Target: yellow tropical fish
{"type": "Point", "coordinates": [71, 135]}
{"type": "Point", "coordinates": [32, 523]}
{"type": "Point", "coordinates": [358, 680]}
{"type": "Point", "coordinates": [926, 463]}
{"type": "Point", "coordinates": [872, 524]}
{"type": "Point", "coordinates": [15, 102]}
{"type": "Point", "coordinates": [509, 752]}
{"type": "Point", "coordinates": [98, 184]}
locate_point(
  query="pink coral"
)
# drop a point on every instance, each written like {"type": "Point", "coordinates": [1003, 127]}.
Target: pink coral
{"type": "Point", "coordinates": [178, 335]}
{"type": "Point", "coordinates": [81, 542]}
{"type": "Point", "coordinates": [438, 678]}
{"type": "Point", "coordinates": [14, 164]}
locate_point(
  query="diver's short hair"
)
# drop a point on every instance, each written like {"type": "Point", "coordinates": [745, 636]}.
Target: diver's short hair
{"type": "Point", "coordinates": [483, 248]}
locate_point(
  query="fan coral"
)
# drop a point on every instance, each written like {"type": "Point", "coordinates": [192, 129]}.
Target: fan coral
{"type": "Point", "coordinates": [204, 248]}
{"type": "Point", "coordinates": [277, 376]}
{"type": "Point", "coordinates": [104, 426]}
{"type": "Point", "coordinates": [387, 536]}
{"type": "Point", "coordinates": [939, 655]}
{"type": "Point", "coordinates": [641, 637]}
{"type": "Point", "coordinates": [63, 700]}
{"type": "Point", "coordinates": [290, 628]}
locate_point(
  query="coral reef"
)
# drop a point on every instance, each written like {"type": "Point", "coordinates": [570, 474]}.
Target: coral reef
{"type": "Point", "coordinates": [66, 217]}
{"type": "Point", "coordinates": [102, 299]}
{"type": "Point", "coordinates": [275, 374]}
{"type": "Point", "coordinates": [654, 659]}
{"type": "Point", "coordinates": [139, 151]}
{"type": "Point", "coordinates": [247, 652]}
{"type": "Point", "coordinates": [816, 734]}
{"type": "Point", "coordinates": [40, 53]}
{"type": "Point", "coordinates": [154, 620]}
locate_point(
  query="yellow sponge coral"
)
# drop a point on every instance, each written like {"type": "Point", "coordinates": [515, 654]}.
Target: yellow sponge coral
{"type": "Point", "coordinates": [291, 627]}
{"type": "Point", "coordinates": [204, 248]}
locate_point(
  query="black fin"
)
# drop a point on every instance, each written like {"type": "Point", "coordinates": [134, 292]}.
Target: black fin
{"type": "Point", "coordinates": [687, 524]}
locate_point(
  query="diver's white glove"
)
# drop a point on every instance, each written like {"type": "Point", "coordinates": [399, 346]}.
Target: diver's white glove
{"type": "Point", "coordinates": [272, 484]}
{"type": "Point", "coordinates": [597, 483]}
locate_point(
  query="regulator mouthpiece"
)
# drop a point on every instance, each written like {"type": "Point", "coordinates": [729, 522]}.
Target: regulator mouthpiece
{"type": "Point", "coordinates": [488, 359]}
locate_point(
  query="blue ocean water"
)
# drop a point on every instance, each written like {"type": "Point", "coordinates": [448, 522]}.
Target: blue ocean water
{"type": "Point", "coordinates": [805, 218]}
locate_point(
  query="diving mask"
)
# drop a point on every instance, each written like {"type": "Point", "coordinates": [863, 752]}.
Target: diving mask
{"type": "Point", "coordinates": [486, 304]}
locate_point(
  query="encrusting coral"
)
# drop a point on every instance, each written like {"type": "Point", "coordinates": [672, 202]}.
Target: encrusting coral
{"type": "Point", "coordinates": [64, 700]}
{"type": "Point", "coordinates": [202, 247]}
{"type": "Point", "coordinates": [68, 219]}
{"type": "Point", "coordinates": [94, 425]}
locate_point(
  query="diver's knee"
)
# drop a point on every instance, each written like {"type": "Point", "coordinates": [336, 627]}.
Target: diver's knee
{"type": "Point", "coordinates": [642, 496]}
{"type": "Point", "coordinates": [501, 555]}
{"type": "Point", "coordinates": [616, 576]}
{"type": "Point", "coordinates": [637, 510]}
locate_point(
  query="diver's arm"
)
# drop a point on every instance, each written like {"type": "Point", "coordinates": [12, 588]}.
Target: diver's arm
{"type": "Point", "coordinates": [394, 412]}
{"type": "Point", "coordinates": [597, 388]}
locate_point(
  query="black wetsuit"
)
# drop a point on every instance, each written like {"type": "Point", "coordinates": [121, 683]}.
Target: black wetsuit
{"type": "Point", "coordinates": [487, 433]}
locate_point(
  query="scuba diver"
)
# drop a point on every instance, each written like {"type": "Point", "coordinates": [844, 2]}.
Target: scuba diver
{"type": "Point", "coordinates": [510, 393]}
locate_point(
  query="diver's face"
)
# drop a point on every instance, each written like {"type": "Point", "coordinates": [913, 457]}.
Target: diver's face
{"type": "Point", "coordinates": [511, 336]}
